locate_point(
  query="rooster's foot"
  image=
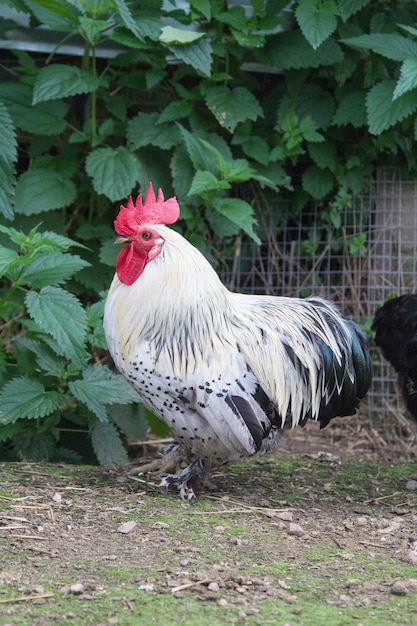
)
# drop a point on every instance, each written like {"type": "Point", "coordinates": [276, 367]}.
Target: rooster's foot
{"type": "Point", "coordinates": [187, 479]}
{"type": "Point", "coordinates": [171, 457]}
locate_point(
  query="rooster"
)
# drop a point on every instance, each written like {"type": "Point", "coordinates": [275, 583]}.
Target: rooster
{"type": "Point", "coordinates": [395, 326]}
{"type": "Point", "coordinates": [226, 371]}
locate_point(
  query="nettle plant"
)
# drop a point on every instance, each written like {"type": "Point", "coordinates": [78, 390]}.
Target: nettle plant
{"type": "Point", "coordinates": [226, 106]}
{"type": "Point", "coordinates": [57, 381]}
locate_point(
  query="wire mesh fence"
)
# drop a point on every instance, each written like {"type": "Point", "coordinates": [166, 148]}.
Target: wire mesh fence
{"type": "Point", "coordinates": [359, 262]}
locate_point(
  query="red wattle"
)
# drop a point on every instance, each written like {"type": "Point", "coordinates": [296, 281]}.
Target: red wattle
{"type": "Point", "coordinates": [129, 264]}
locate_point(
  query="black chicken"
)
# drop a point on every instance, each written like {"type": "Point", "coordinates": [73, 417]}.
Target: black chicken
{"type": "Point", "coordinates": [395, 326]}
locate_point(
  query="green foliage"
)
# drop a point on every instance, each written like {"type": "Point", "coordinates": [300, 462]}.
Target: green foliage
{"type": "Point", "coordinates": [228, 107]}
{"type": "Point", "coordinates": [50, 372]}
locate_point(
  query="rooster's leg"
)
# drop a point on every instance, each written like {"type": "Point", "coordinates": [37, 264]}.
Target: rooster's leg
{"type": "Point", "coordinates": [174, 457]}
{"type": "Point", "coordinates": [170, 457]}
{"type": "Point", "coordinates": [185, 480]}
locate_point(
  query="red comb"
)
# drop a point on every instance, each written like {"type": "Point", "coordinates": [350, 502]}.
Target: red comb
{"type": "Point", "coordinates": [152, 211]}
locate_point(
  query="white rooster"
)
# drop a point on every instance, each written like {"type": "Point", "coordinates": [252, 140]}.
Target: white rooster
{"type": "Point", "coordinates": [226, 371]}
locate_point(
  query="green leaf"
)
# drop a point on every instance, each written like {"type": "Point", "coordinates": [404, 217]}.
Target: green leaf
{"type": "Point", "coordinates": [239, 171]}
{"type": "Point", "coordinates": [409, 29]}
{"type": "Point", "coordinates": [7, 431]}
{"type": "Point", "coordinates": [204, 6]}
{"type": "Point", "coordinates": [235, 17]}
{"type": "Point", "coordinates": [197, 54]}
{"type": "Point", "coordinates": [231, 106]}
{"type": "Point", "coordinates": [308, 129]}
{"type": "Point", "coordinates": [35, 444]}
{"type": "Point", "coordinates": [316, 103]}
{"type": "Point", "coordinates": [108, 253]}
{"type": "Point", "coordinates": [130, 419]}
{"type": "Point", "coordinates": [107, 445]}
{"type": "Point", "coordinates": [95, 313]}
{"type": "Point", "coordinates": [324, 155]}
{"type": "Point", "coordinates": [61, 315]}
{"type": "Point", "coordinates": [56, 14]}
{"type": "Point", "coordinates": [200, 157]}
{"type": "Point", "coordinates": [127, 18]}
{"type": "Point", "coordinates": [41, 190]}
{"type": "Point", "coordinates": [317, 182]}
{"type": "Point", "coordinates": [7, 190]}
{"type": "Point", "coordinates": [350, 7]}
{"type": "Point", "coordinates": [8, 258]}
{"type": "Point", "coordinates": [235, 170]}
{"type": "Point", "coordinates": [54, 240]}
{"type": "Point", "coordinates": [205, 181]}
{"type": "Point", "coordinates": [26, 398]}
{"type": "Point", "coordinates": [240, 213]}
{"type": "Point", "coordinates": [100, 387]}
{"type": "Point", "coordinates": [383, 111]}
{"type": "Point", "coordinates": [175, 110]}
{"type": "Point", "coordinates": [157, 426]}
{"type": "Point", "coordinates": [8, 143]}
{"type": "Point", "coordinates": [290, 50]}
{"type": "Point", "coordinates": [8, 156]}
{"type": "Point", "coordinates": [219, 224]}
{"type": "Point", "coordinates": [408, 78]}
{"type": "Point", "coordinates": [390, 45]}
{"type": "Point", "coordinates": [60, 81]}
{"type": "Point", "coordinates": [93, 28]}
{"type": "Point", "coordinates": [256, 148]}
{"type": "Point", "coordinates": [96, 336]}
{"type": "Point", "coordinates": [43, 119]}
{"type": "Point", "coordinates": [352, 110]}
{"type": "Point", "coordinates": [144, 130]}
{"type": "Point", "coordinates": [144, 27]}
{"type": "Point", "coordinates": [14, 235]}
{"type": "Point", "coordinates": [51, 268]}
{"type": "Point", "coordinates": [316, 19]}
{"type": "Point", "coordinates": [114, 172]}
{"type": "Point", "coordinates": [178, 36]}
{"type": "Point", "coordinates": [46, 358]}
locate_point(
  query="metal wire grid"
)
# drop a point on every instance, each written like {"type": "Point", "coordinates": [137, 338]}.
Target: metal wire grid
{"type": "Point", "coordinates": [303, 256]}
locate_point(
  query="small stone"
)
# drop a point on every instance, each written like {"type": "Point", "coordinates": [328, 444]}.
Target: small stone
{"type": "Point", "coordinates": [148, 587]}
{"type": "Point", "coordinates": [399, 588]}
{"type": "Point", "coordinates": [411, 484]}
{"type": "Point", "coordinates": [296, 530]}
{"type": "Point", "coordinates": [77, 589]}
{"type": "Point", "coordinates": [344, 598]}
{"type": "Point", "coordinates": [57, 498]}
{"type": "Point", "coordinates": [214, 587]}
{"type": "Point", "coordinates": [361, 521]}
{"type": "Point", "coordinates": [162, 525]}
{"type": "Point", "coordinates": [285, 516]}
{"type": "Point", "coordinates": [126, 527]}
{"type": "Point", "coordinates": [218, 529]}
{"type": "Point", "coordinates": [410, 557]}
{"type": "Point", "coordinates": [240, 542]}
{"type": "Point", "coordinates": [283, 584]}
{"type": "Point", "coordinates": [412, 584]}
{"type": "Point", "coordinates": [252, 611]}
{"type": "Point", "coordinates": [330, 528]}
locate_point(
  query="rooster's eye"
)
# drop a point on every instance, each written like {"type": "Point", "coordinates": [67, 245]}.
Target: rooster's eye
{"type": "Point", "coordinates": [147, 235]}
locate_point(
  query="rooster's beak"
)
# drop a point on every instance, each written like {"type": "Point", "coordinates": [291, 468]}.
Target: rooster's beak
{"type": "Point", "coordinates": [120, 240]}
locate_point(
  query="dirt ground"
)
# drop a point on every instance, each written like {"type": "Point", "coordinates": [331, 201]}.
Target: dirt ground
{"type": "Point", "coordinates": [328, 507]}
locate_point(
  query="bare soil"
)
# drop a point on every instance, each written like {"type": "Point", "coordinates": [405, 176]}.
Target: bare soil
{"type": "Point", "coordinates": [331, 519]}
